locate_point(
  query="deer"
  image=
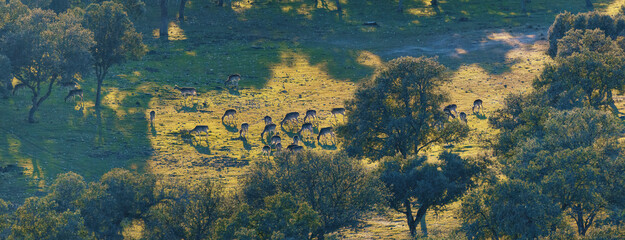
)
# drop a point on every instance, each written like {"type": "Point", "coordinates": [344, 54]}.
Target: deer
{"type": "Point", "coordinates": [452, 107]}
{"type": "Point", "coordinates": [276, 139]}
{"type": "Point", "coordinates": [69, 85]}
{"type": "Point", "coordinates": [73, 94]}
{"type": "Point", "coordinates": [289, 117]}
{"type": "Point", "coordinates": [229, 113]}
{"type": "Point", "coordinates": [243, 131]}
{"type": "Point", "coordinates": [295, 148]}
{"type": "Point", "coordinates": [310, 114]}
{"type": "Point", "coordinates": [449, 114]}
{"type": "Point", "coordinates": [336, 111]}
{"type": "Point", "coordinates": [270, 128]}
{"type": "Point", "coordinates": [295, 140]}
{"type": "Point", "coordinates": [463, 117]}
{"type": "Point", "coordinates": [267, 120]}
{"type": "Point", "coordinates": [477, 104]}
{"type": "Point", "coordinates": [278, 147]}
{"type": "Point", "coordinates": [324, 132]}
{"type": "Point", "coordinates": [17, 88]}
{"type": "Point", "coordinates": [152, 116]}
{"type": "Point", "coordinates": [233, 80]}
{"type": "Point", "coordinates": [266, 150]}
{"type": "Point", "coordinates": [199, 129]}
{"type": "Point", "coordinates": [186, 91]}
{"type": "Point", "coordinates": [306, 127]}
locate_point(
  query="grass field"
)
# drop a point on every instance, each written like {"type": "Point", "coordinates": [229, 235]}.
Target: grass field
{"type": "Point", "coordinates": [292, 57]}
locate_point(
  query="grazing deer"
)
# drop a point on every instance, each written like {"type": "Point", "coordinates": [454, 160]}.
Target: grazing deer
{"type": "Point", "coordinates": [233, 80]}
{"type": "Point", "coordinates": [477, 104]}
{"type": "Point", "coordinates": [310, 114]}
{"type": "Point", "coordinates": [152, 116]}
{"type": "Point", "coordinates": [267, 120]}
{"type": "Point", "coordinates": [199, 129]}
{"type": "Point", "coordinates": [463, 117]}
{"type": "Point", "coordinates": [73, 94]}
{"type": "Point", "coordinates": [449, 114]}
{"type": "Point", "coordinates": [266, 150]}
{"type": "Point", "coordinates": [278, 147]}
{"type": "Point", "coordinates": [243, 131]}
{"type": "Point", "coordinates": [276, 139]}
{"type": "Point", "coordinates": [295, 148]}
{"type": "Point", "coordinates": [269, 129]}
{"type": "Point", "coordinates": [306, 127]}
{"type": "Point", "coordinates": [229, 113]}
{"type": "Point", "coordinates": [17, 88]}
{"type": "Point", "coordinates": [69, 85]}
{"type": "Point", "coordinates": [324, 132]}
{"type": "Point", "coordinates": [186, 91]}
{"type": "Point", "coordinates": [452, 107]}
{"type": "Point", "coordinates": [336, 111]}
{"type": "Point", "coordinates": [295, 140]}
{"type": "Point", "coordinates": [289, 117]}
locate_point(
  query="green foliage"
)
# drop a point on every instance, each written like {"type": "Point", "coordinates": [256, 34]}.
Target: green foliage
{"type": "Point", "coordinates": [591, 69]}
{"type": "Point", "coordinates": [44, 47]}
{"type": "Point", "coordinates": [514, 208]}
{"type": "Point", "coordinates": [5, 219]}
{"type": "Point", "coordinates": [612, 26]}
{"type": "Point", "coordinates": [417, 183]}
{"type": "Point", "coordinates": [337, 187]}
{"type": "Point", "coordinates": [397, 111]}
{"type": "Point", "coordinates": [283, 217]}
{"type": "Point", "coordinates": [119, 194]}
{"type": "Point", "coordinates": [67, 190]}
{"type": "Point", "coordinates": [37, 219]}
{"type": "Point", "coordinates": [574, 158]}
{"type": "Point", "coordinates": [185, 213]}
{"type": "Point", "coordinates": [115, 36]}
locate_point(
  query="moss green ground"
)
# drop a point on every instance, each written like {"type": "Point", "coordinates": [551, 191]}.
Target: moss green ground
{"type": "Point", "coordinates": [292, 57]}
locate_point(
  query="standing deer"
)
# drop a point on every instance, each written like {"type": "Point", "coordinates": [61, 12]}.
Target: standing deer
{"type": "Point", "coordinates": [452, 107]}
{"type": "Point", "coordinates": [325, 132]}
{"type": "Point", "coordinates": [69, 85]}
{"type": "Point", "coordinates": [449, 114]}
{"type": "Point", "coordinates": [243, 131]}
{"type": "Point", "coordinates": [289, 117]}
{"type": "Point", "coordinates": [306, 127]}
{"type": "Point", "coordinates": [276, 139]}
{"type": "Point", "coordinates": [267, 120]}
{"type": "Point", "coordinates": [186, 91]}
{"type": "Point", "coordinates": [231, 113]}
{"type": "Point", "coordinates": [463, 117]}
{"type": "Point", "coordinates": [310, 114]}
{"type": "Point", "coordinates": [477, 104]}
{"type": "Point", "coordinates": [266, 150]}
{"type": "Point", "coordinates": [199, 129]}
{"type": "Point", "coordinates": [336, 111]}
{"type": "Point", "coordinates": [152, 116]}
{"type": "Point", "coordinates": [233, 81]}
{"type": "Point", "coordinates": [270, 129]}
{"type": "Point", "coordinates": [73, 94]}
{"type": "Point", "coordinates": [295, 140]}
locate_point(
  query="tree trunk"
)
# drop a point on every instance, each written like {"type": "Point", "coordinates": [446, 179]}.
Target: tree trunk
{"type": "Point", "coordinates": [523, 8]}
{"type": "Point", "coordinates": [181, 10]}
{"type": "Point", "coordinates": [164, 24]}
{"type": "Point", "coordinates": [339, 9]}
{"type": "Point", "coordinates": [434, 3]}
{"type": "Point", "coordinates": [33, 109]}
{"type": "Point", "coordinates": [588, 4]}
{"type": "Point", "coordinates": [421, 217]}
{"type": "Point", "coordinates": [400, 6]}
{"type": "Point", "coordinates": [412, 224]}
{"type": "Point", "coordinates": [220, 3]}
{"type": "Point", "coordinates": [98, 92]}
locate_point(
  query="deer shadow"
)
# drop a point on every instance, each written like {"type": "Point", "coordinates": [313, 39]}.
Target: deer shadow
{"type": "Point", "coordinates": [232, 127]}
{"type": "Point", "coordinates": [290, 129]}
{"type": "Point", "coordinates": [199, 146]}
{"type": "Point", "coordinates": [187, 109]}
{"type": "Point", "coordinates": [480, 115]}
{"type": "Point", "coordinates": [327, 146]}
{"type": "Point", "coordinates": [309, 144]}
{"type": "Point", "coordinates": [246, 145]}
{"type": "Point", "coordinates": [152, 130]}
